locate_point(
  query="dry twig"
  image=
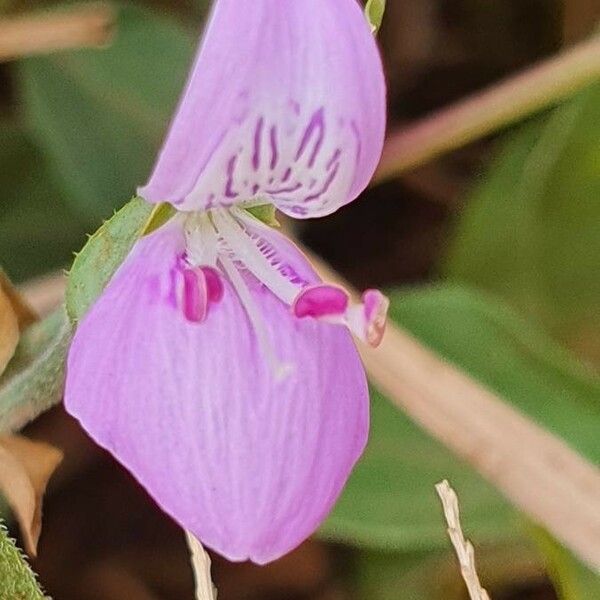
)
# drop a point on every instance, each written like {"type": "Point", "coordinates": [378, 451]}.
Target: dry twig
{"type": "Point", "coordinates": [77, 27]}
{"type": "Point", "coordinates": [464, 548]}
{"type": "Point", "coordinates": [201, 566]}
{"type": "Point", "coordinates": [44, 294]}
{"type": "Point", "coordinates": [501, 105]}
{"type": "Point", "coordinates": [535, 469]}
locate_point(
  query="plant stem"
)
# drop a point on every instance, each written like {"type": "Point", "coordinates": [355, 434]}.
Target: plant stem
{"type": "Point", "coordinates": [201, 567]}
{"type": "Point", "coordinates": [464, 548]}
{"type": "Point", "coordinates": [77, 27]}
{"type": "Point", "coordinates": [490, 110]}
{"type": "Point", "coordinates": [533, 468]}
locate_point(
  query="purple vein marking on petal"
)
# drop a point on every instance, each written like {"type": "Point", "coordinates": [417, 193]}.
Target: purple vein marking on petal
{"type": "Point", "coordinates": [155, 289]}
{"type": "Point", "coordinates": [334, 158]}
{"type": "Point", "coordinates": [172, 292]}
{"type": "Point", "coordinates": [299, 210]}
{"type": "Point", "coordinates": [356, 132]}
{"type": "Point", "coordinates": [295, 106]}
{"type": "Point", "coordinates": [269, 251]}
{"type": "Point", "coordinates": [286, 175]}
{"type": "Point", "coordinates": [325, 187]}
{"type": "Point", "coordinates": [242, 108]}
{"type": "Point", "coordinates": [317, 123]}
{"type": "Point", "coordinates": [287, 190]}
{"type": "Point", "coordinates": [229, 191]}
{"type": "Point", "coordinates": [274, 149]}
{"type": "Point", "coordinates": [257, 143]}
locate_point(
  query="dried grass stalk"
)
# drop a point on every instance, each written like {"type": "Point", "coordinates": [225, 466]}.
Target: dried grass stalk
{"type": "Point", "coordinates": [494, 108]}
{"type": "Point", "coordinates": [535, 469]}
{"type": "Point", "coordinates": [76, 27]}
{"type": "Point", "coordinates": [464, 548]}
{"type": "Point", "coordinates": [205, 590]}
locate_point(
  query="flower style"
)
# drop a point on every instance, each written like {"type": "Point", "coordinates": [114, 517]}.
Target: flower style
{"type": "Point", "coordinates": [217, 366]}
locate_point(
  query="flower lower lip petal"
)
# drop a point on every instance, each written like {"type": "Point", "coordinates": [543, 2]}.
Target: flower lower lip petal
{"type": "Point", "coordinates": [223, 446]}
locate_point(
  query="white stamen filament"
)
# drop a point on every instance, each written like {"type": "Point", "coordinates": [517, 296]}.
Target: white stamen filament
{"type": "Point", "coordinates": [279, 369]}
{"type": "Point", "coordinates": [245, 249]}
{"type": "Point", "coordinates": [201, 240]}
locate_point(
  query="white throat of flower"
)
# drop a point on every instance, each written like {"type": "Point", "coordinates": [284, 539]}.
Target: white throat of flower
{"type": "Point", "coordinates": [227, 241]}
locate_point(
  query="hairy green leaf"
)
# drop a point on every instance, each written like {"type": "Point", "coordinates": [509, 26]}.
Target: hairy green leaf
{"type": "Point", "coordinates": [267, 213]}
{"type": "Point", "coordinates": [374, 10]}
{"type": "Point", "coordinates": [17, 580]}
{"type": "Point", "coordinates": [103, 254]}
{"type": "Point", "coordinates": [34, 378]}
{"type": "Point", "coordinates": [161, 213]}
{"type": "Point", "coordinates": [33, 382]}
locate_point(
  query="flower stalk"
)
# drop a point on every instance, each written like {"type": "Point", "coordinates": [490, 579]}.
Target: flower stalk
{"type": "Point", "coordinates": [486, 112]}
{"type": "Point", "coordinates": [545, 482]}
{"type": "Point", "coordinates": [78, 27]}
{"type": "Point", "coordinates": [463, 547]}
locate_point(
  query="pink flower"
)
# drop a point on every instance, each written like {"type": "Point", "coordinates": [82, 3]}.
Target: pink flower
{"type": "Point", "coordinates": [216, 366]}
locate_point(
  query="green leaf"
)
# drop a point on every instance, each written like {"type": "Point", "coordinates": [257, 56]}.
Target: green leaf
{"type": "Point", "coordinates": [17, 580]}
{"type": "Point", "coordinates": [103, 254]}
{"type": "Point", "coordinates": [266, 213]}
{"type": "Point", "coordinates": [572, 579]}
{"type": "Point", "coordinates": [33, 382]}
{"type": "Point", "coordinates": [38, 231]}
{"type": "Point", "coordinates": [374, 11]}
{"type": "Point", "coordinates": [161, 213]}
{"type": "Point", "coordinates": [34, 379]}
{"type": "Point", "coordinates": [436, 575]}
{"type": "Point", "coordinates": [530, 231]}
{"type": "Point", "coordinates": [388, 502]}
{"type": "Point", "coordinates": [100, 115]}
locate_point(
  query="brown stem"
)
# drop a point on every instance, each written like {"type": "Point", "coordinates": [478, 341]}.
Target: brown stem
{"type": "Point", "coordinates": [536, 470]}
{"type": "Point", "coordinates": [81, 26]}
{"type": "Point", "coordinates": [500, 105]}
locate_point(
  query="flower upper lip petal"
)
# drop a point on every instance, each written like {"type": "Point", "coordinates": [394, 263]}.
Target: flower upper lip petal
{"type": "Point", "coordinates": [286, 100]}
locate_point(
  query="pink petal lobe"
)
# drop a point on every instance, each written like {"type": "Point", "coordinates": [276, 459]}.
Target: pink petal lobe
{"type": "Point", "coordinates": [321, 300]}
{"type": "Point", "coordinates": [195, 295]}
{"type": "Point", "coordinates": [286, 101]}
{"type": "Point", "coordinates": [250, 464]}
